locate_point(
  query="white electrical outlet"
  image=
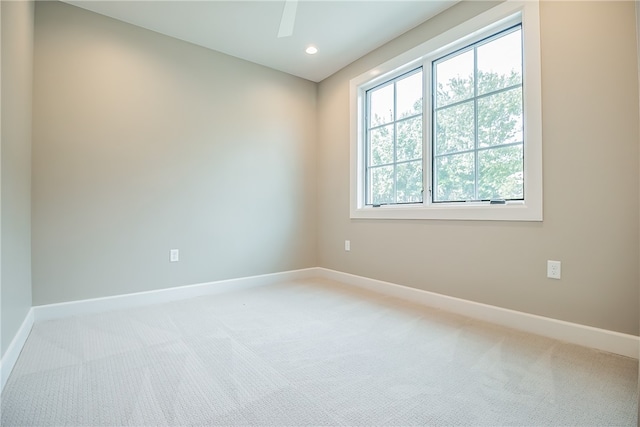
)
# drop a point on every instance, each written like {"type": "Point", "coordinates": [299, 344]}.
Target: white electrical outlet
{"type": "Point", "coordinates": [347, 245]}
{"type": "Point", "coordinates": [554, 269]}
{"type": "Point", "coordinates": [174, 255]}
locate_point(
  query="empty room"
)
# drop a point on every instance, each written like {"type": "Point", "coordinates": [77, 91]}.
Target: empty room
{"type": "Point", "coordinates": [296, 212]}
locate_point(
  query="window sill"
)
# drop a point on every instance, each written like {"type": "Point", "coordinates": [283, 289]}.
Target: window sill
{"type": "Point", "coordinates": [512, 211]}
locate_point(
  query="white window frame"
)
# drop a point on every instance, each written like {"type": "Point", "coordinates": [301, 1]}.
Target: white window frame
{"type": "Point", "coordinates": [489, 22]}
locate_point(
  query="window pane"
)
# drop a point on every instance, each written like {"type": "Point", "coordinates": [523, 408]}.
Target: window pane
{"type": "Point", "coordinates": [409, 178]}
{"type": "Point", "coordinates": [381, 183]}
{"type": "Point", "coordinates": [454, 79]}
{"type": "Point", "coordinates": [381, 146]}
{"type": "Point", "coordinates": [500, 63]}
{"type": "Point", "coordinates": [409, 96]}
{"type": "Point", "coordinates": [454, 177]}
{"type": "Point", "coordinates": [409, 139]}
{"type": "Point", "coordinates": [381, 106]}
{"type": "Point", "coordinates": [501, 173]}
{"type": "Point", "coordinates": [454, 129]}
{"type": "Point", "coordinates": [500, 118]}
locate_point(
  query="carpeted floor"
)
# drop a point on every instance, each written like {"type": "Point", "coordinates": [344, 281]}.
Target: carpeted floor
{"type": "Point", "coordinates": [308, 353]}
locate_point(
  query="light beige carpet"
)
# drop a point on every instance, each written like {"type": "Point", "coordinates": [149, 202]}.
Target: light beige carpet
{"type": "Point", "coordinates": [308, 353]}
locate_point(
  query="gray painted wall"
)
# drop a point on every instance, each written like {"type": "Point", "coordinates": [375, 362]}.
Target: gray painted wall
{"type": "Point", "coordinates": [15, 218]}
{"type": "Point", "coordinates": [591, 134]}
{"type": "Point", "coordinates": [143, 143]}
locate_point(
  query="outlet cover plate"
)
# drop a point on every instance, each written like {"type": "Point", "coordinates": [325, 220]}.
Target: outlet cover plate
{"type": "Point", "coordinates": [554, 269]}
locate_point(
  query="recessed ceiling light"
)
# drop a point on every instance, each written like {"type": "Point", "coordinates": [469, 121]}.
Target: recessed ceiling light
{"type": "Point", "coordinates": [311, 50]}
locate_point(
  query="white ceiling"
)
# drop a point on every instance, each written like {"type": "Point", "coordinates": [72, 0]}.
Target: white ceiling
{"type": "Point", "coordinates": [343, 31]}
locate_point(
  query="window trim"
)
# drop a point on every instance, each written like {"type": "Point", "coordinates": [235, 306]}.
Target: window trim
{"type": "Point", "coordinates": [507, 13]}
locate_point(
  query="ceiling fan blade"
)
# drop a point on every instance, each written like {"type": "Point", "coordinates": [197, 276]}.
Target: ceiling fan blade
{"type": "Point", "coordinates": [288, 18]}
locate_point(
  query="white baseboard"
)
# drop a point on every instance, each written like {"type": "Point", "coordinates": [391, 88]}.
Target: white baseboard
{"type": "Point", "coordinates": [601, 339]}
{"type": "Point", "coordinates": [10, 357]}
{"type": "Point", "coordinates": [159, 296]}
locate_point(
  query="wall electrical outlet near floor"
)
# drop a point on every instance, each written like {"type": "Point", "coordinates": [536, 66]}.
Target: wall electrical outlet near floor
{"type": "Point", "coordinates": [554, 269]}
{"type": "Point", "coordinates": [174, 255]}
{"type": "Point", "coordinates": [347, 245]}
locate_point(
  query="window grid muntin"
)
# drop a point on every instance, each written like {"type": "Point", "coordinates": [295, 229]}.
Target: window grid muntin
{"type": "Point", "coordinates": [473, 46]}
{"type": "Point", "coordinates": [491, 147]}
{"type": "Point", "coordinates": [484, 95]}
{"type": "Point", "coordinates": [367, 123]}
